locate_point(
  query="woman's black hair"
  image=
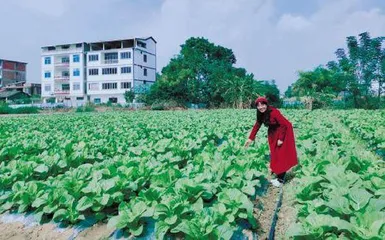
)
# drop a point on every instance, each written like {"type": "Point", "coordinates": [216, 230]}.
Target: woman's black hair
{"type": "Point", "coordinates": [264, 118]}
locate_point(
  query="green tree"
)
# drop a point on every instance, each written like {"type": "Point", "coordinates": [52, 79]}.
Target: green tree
{"type": "Point", "coordinates": [129, 96]}
{"type": "Point", "coordinates": [204, 73]}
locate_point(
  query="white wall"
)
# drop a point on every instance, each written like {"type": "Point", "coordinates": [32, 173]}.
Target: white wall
{"type": "Point", "coordinates": [45, 81]}
{"type": "Point", "coordinates": [150, 46]}
{"type": "Point", "coordinates": [119, 90]}
{"type": "Point", "coordinates": [139, 74]}
{"type": "Point", "coordinates": [138, 59]}
{"type": "Point", "coordinates": [105, 97]}
{"type": "Point", "coordinates": [110, 77]}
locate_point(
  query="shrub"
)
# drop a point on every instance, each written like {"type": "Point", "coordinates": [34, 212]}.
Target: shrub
{"type": "Point", "coordinates": [89, 107]}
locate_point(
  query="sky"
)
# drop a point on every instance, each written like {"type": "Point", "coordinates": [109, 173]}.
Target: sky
{"type": "Point", "coordinates": [273, 39]}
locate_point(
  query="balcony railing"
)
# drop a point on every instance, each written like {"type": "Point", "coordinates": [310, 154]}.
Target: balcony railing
{"type": "Point", "coordinates": [62, 92]}
{"type": "Point", "coordinates": [62, 64]}
{"type": "Point", "coordinates": [62, 78]}
{"type": "Point", "coordinates": [110, 61]}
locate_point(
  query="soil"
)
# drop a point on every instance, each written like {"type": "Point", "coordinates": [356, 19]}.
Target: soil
{"type": "Point", "coordinates": [98, 231]}
{"type": "Point", "coordinates": [17, 231]}
{"type": "Point", "coordinates": [287, 213]}
{"type": "Point", "coordinates": [264, 216]}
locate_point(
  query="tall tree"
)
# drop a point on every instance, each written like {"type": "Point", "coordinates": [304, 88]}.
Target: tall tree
{"type": "Point", "coordinates": [204, 73]}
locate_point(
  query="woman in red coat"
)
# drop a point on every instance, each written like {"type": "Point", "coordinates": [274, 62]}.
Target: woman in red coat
{"type": "Point", "coordinates": [283, 154]}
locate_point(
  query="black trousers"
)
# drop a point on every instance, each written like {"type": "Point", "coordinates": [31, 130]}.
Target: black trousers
{"type": "Point", "coordinates": [281, 177]}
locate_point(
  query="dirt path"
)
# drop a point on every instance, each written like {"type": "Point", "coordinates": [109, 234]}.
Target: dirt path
{"type": "Point", "coordinates": [17, 231]}
{"type": "Point", "coordinates": [287, 213]}
{"type": "Point", "coordinates": [98, 231]}
{"type": "Point", "coordinates": [265, 217]}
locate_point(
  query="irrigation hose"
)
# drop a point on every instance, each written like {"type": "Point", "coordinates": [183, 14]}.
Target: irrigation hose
{"type": "Point", "coordinates": [275, 215]}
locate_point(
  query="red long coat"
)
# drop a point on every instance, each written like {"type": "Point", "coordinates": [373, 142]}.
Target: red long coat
{"type": "Point", "coordinates": [283, 157]}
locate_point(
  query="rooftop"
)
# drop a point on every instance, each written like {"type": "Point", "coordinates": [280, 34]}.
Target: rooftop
{"type": "Point", "coordinates": [102, 41]}
{"type": "Point", "coordinates": [2, 59]}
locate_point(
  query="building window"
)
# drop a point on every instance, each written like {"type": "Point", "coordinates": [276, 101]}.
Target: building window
{"type": "Point", "coordinates": [47, 60]}
{"type": "Point", "coordinates": [76, 58]}
{"type": "Point", "coordinates": [125, 70]}
{"type": "Point", "coordinates": [93, 57]}
{"type": "Point", "coordinates": [47, 88]}
{"type": "Point", "coordinates": [109, 85]}
{"type": "Point", "coordinates": [113, 100]}
{"type": "Point", "coordinates": [145, 72]}
{"type": "Point", "coordinates": [93, 71]}
{"type": "Point", "coordinates": [80, 98]}
{"type": "Point", "coordinates": [97, 100]}
{"type": "Point", "coordinates": [125, 55]}
{"type": "Point", "coordinates": [76, 72]}
{"type": "Point", "coordinates": [125, 85]}
{"type": "Point", "coordinates": [47, 75]}
{"type": "Point", "coordinates": [76, 86]}
{"type": "Point", "coordinates": [93, 86]}
{"type": "Point", "coordinates": [141, 44]}
{"type": "Point", "coordinates": [65, 60]}
{"type": "Point", "coordinates": [79, 45]}
{"type": "Point", "coordinates": [111, 57]}
{"type": "Point", "coordinates": [109, 71]}
{"type": "Point", "coordinates": [65, 87]}
{"type": "Point", "coordinates": [144, 58]}
{"type": "Point", "coordinates": [65, 74]}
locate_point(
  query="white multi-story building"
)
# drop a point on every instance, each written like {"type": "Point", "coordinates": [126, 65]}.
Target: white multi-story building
{"type": "Point", "coordinates": [98, 71]}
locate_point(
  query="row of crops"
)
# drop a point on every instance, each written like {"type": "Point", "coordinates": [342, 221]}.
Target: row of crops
{"type": "Point", "coordinates": [368, 125]}
{"type": "Point", "coordinates": [341, 194]}
{"type": "Point", "coordinates": [189, 172]}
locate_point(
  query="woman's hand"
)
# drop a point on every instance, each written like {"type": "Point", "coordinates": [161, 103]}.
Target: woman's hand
{"type": "Point", "coordinates": [279, 143]}
{"type": "Point", "coordinates": [247, 144]}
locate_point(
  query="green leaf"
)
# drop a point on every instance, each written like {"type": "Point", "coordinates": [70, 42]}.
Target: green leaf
{"type": "Point", "coordinates": [38, 202]}
{"type": "Point", "coordinates": [295, 230]}
{"type": "Point", "coordinates": [84, 203]}
{"type": "Point", "coordinates": [60, 215]}
{"type": "Point", "coordinates": [249, 189]}
{"type": "Point", "coordinates": [224, 232]}
{"type": "Point", "coordinates": [62, 164]}
{"type": "Point", "coordinates": [7, 206]}
{"type": "Point", "coordinates": [198, 205]}
{"type": "Point", "coordinates": [339, 204]}
{"type": "Point", "coordinates": [137, 231]}
{"type": "Point", "coordinates": [359, 198]}
{"type": "Point", "coordinates": [171, 220]}
{"type": "Point", "coordinates": [104, 200]}
{"type": "Point", "coordinates": [107, 184]}
{"type": "Point", "coordinates": [161, 229]}
{"type": "Point", "coordinates": [113, 222]}
{"type": "Point", "coordinates": [380, 192]}
{"type": "Point", "coordinates": [376, 205]}
{"type": "Point", "coordinates": [42, 168]}
{"type": "Point", "coordinates": [38, 216]}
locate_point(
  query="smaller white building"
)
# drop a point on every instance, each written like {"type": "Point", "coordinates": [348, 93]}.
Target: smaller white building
{"type": "Point", "coordinates": [98, 72]}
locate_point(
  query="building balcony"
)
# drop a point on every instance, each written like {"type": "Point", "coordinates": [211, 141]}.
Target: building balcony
{"type": "Point", "coordinates": [62, 64]}
{"type": "Point", "coordinates": [61, 92]}
{"type": "Point", "coordinates": [62, 78]}
{"type": "Point", "coordinates": [110, 61]}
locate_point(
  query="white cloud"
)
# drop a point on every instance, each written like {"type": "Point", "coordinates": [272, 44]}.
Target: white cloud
{"type": "Point", "coordinates": [289, 22]}
{"type": "Point", "coordinates": [268, 47]}
{"type": "Point", "coordinates": [269, 42]}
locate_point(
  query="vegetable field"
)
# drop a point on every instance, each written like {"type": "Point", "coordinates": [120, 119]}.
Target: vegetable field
{"type": "Point", "coordinates": [188, 173]}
